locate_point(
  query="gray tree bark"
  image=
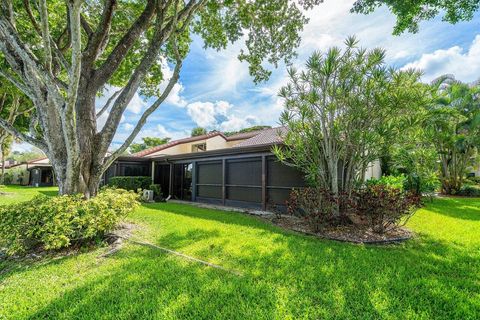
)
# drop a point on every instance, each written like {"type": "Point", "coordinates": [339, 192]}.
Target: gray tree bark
{"type": "Point", "coordinates": [66, 112]}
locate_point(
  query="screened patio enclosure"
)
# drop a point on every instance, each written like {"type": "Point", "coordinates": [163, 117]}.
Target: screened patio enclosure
{"type": "Point", "coordinates": [245, 178]}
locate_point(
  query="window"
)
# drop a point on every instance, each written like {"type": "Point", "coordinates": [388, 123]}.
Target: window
{"type": "Point", "coordinates": [199, 147]}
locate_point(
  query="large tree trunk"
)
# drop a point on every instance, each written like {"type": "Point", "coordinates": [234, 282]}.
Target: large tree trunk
{"type": "Point", "coordinates": [2, 179]}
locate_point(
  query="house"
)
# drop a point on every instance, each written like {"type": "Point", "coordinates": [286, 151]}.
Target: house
{"type": "Point", "coordinates": [37, 172]}
{"type": "Point", "coordinates": [238, 170]}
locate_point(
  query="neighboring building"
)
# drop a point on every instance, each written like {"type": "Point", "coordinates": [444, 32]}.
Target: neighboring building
{"type": "Point", "coordinates": [238, 170]}
{"type": "Point", "coordinates": [36, 172]}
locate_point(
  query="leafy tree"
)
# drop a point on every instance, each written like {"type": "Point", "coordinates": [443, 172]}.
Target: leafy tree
{"type": "Point", "coordinates": [15, 110]}
{"type": "Point", "coordinates": [249, 129]}
{"type": "Point", "coordinates": [24, 156]}
{"type": "Point", "coordinates": [453, 125]}
{"type": "Point", "coordinates": [410, 13]}
{"type": "Point", "coordinates": [340, 112]}
{"type": "Point", "coordinates": [148, 142]}
{"type": "Point", "coordinates": [198, 131]}
{"type": "Point", "coordinates": [63, 54]}
{"type": "Point", "coordinates": [5, 148]}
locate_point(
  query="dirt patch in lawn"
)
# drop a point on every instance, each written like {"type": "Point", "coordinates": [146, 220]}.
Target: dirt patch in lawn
{"type": "Point", "coordinates": [346, 233]}
{"type": "Point", "coordinates": [117, 238]}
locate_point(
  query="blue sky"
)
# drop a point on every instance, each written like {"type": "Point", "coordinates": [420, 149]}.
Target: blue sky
{"type": "Point", "coordinates": [215, 90]}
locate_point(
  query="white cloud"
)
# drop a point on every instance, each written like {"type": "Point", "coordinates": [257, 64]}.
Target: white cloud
{"type": "Point", "coordinates": [235, 123]}
{"type": "Point", "coordinates": [205, 114]}
{"type": "Point", "coordinates": [174, 96]}
{"type": "Point", "coordinates": [464, 65]}
{"type": "Point", "coordinates": [218, 115]}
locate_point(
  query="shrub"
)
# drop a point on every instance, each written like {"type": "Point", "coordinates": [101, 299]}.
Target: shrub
{"type": "Point", "coordinates": [427, 184]}
{"type": "Point", "coordinates": [385, 207]}
{"type": "Point", "coordinates": [397, 182]}
{"type": "Point", "coordinates": [469, 191]}
{"type": "Point", "coordinates": [57, 222]}
{"type": "Point", "coordinates": [157, 192]}
{"type": "Point", "coordinates": [316, 206]}
{"type": "Point", "coordinates": [130, 183]}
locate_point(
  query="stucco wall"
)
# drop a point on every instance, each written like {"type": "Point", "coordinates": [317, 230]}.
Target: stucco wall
{"type": "Point", "coordinates": [373, 171]}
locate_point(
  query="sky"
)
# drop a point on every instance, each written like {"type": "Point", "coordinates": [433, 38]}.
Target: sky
{"type": "Point", "coordinates": [215, 90]}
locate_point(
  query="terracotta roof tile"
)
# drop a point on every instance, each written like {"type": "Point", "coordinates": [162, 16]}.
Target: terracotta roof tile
{"type": "Point", "coordinates": [265, 137]}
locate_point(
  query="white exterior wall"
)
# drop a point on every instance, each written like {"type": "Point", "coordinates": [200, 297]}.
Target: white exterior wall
{"type": "Point", "coordinates": [213, 143]}
{"type": "Point", "coordinates": [374, 170]}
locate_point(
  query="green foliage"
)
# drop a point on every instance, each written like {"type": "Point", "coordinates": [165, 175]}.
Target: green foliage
{"type": "Point", "coordinates": [341, 111]}
{"type": "Point", "coordinates": [198, 131]}
{"type": "Point", "coordinates": [453, 127]}
{"type": "Point", "coordinates": [469, 191]}
{"type": "Point", "coordinates": [56, 222]}
{"type": "Point", "coordinates": [130, 183]}
{"type": "Point", "coordinates": [24, 156]}
{"type": "Point", "coordinates": [397, 182]}
{"type": "Point", "coordinates": [148, 142]}
{"type": "Point", "coordinates": [411, 13]}
{"type": "Point", "coordinates": [245, 130]}
{"type": "Point", "coordinates": [157, 192]}
{"type": "Point", "coordinates": [16, 175]}
{"type": "Point", "coordinates": [285, 275]}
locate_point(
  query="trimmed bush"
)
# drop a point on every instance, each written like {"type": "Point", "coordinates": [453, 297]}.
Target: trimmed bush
{"type": "Point", "coordinates": [50, 223]}
{"type": "Point", "coordinates": [130, 183]}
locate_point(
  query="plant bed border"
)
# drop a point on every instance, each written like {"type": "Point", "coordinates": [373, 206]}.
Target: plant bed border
{"type": "Point", "coordinates": [370, 242]}
{"type": "Point", "coordinates": [271, 217]}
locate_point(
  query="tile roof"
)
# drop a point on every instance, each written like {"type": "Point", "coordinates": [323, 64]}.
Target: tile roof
{"type": "Point", "coordinates": [177, 142]}
{"type": "Point", "coordinates": [265, 137]}
{"type": "Point", "coordinates": [243, 135]}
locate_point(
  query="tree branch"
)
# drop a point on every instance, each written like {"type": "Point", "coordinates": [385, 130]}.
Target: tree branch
{"type": "Point", "coordinates": [113, 61]}
{"type": "Point", "coordinates": [109, 102]}
{"type": "Point", "coordinates": [16, 83]}
{"type": "Point", "coordinates": [42, 8]}
{"type": "Point", "coordinates": [173, 80]}
{"type": "Point", "coordinates": [7, 7]}
{"type": "Point", "coordinates": [28, 8]}
{"type": "Point", "coordinates": [86, 26]}
{"type": "Point", "coordinates": [20, 135]}
{"type": "Point", "coordinates": [98, 39]}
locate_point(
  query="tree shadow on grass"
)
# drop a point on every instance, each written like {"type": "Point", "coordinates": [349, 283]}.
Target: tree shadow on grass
{"type": "Point", "coordinates": [284, 275]}
{"type": "Point", "coordinates": [298, 278]}
{"type": "Point", "coordinates": [50, 193]}
{"type": "Point", "coordinates": [458, 207]}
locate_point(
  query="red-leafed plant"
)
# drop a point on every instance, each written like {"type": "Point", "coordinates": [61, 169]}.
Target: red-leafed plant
{"type": "Point", "coordinates": [318, 207]}
{"type": "Point", "coordinates": [385, 207]}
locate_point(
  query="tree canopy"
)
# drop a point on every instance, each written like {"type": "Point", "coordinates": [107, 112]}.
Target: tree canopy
{"type": "Point", "coordinates": [198, 131]}
{"type": "Point", "coordinates": [453, 125]}
{"type": "Point", "coordinates": [410, 13]}
{"type": "Point", "coordinates": [148, 142]}
{"type": "Point", "coordinates": [340, 112]}
{"type": "Point", "coordinates": [63, 54]}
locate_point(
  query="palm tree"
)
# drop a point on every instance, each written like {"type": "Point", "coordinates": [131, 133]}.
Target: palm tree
{"type": "Point", "coordinates": [454, 127]}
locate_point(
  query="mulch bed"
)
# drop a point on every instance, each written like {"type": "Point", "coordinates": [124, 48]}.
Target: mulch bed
{"type": "Point", "coordinates": [345, 233]}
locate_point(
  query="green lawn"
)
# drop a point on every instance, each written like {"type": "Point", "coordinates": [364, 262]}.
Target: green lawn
{"type": "Point", "coordinates": [285, 275]}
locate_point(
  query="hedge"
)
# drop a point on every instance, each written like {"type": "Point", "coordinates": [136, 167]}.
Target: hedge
{"type": "Point", "coordinates": [130, 183]}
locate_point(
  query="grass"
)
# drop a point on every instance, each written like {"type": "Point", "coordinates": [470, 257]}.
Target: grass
{"type": "Point", "coordinates": [285, 275]}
